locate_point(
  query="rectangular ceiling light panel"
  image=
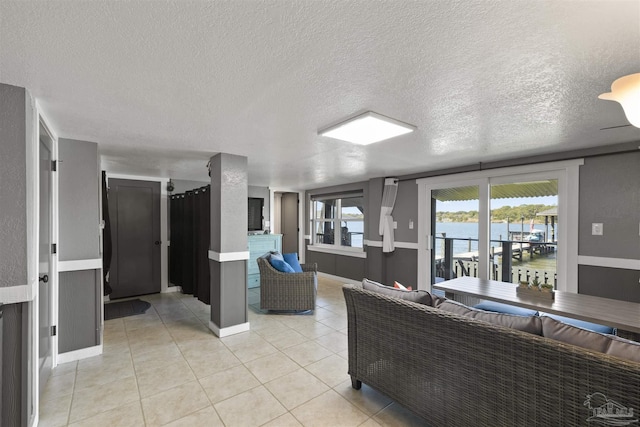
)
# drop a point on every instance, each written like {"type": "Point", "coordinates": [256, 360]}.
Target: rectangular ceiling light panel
{"type": "Point", "coordinates": [367, 128]}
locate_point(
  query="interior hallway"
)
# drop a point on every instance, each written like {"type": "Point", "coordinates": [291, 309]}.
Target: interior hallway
{"type": "Point", "coordinates": [166, 367]}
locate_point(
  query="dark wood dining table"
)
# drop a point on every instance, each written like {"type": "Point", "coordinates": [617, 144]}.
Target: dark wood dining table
{"type": "Point", "coordinates": [623, 315]}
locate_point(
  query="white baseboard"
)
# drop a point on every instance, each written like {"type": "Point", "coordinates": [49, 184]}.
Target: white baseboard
{"type": "Point", "coordinates": [339, 279]}
{"type": "Point", "coordinates": [83, 353]}
{"type": "Point", "coordinates": [231, 330]}
{"type": "Point", "coordinates": [228, 256]}
{"type": "Point", "coordinates": [171, 289]}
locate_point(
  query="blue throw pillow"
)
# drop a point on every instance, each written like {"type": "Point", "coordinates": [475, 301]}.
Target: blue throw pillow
{"type": "Point", "coordinates": [280, 265]}
{"type": "Point", "coordinates": [497, 307]}
{"type": "Point", "coordinates": [275, 255]}
{"type": "Point", "coordinates": [582, 324]}
{"type": "Point", "coordinates": [292, 260]}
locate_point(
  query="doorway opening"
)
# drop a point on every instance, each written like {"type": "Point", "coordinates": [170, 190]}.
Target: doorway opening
{"type": "Point", "coordinates": [286, 220]}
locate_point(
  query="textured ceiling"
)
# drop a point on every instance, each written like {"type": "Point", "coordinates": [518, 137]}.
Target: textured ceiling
{"type": "Point", "coordinates": [161, 86]}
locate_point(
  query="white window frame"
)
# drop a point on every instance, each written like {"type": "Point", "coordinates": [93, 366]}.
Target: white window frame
{"type": "Point", "coordinates": [336, 247]}
{"type": "Point", "coordinates": [567, 174]}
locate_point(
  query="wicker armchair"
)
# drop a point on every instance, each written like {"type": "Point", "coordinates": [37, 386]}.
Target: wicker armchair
{"type": "Point", "coordinates": [287, 291]}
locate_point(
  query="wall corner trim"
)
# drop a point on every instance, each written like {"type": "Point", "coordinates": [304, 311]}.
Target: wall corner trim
{"type": "Point", "coordinates": [83, 353]}
{"type": "Point", "coordinates": [20, 293]}
{"type": "Point", "coordinates": [228, 256]}
{"type": "Point", "coordinates": [624, 263]}
{"type": "Point", "coordinates": [401, 245]}
{"type": "Point", "coordinates": [231, 330]}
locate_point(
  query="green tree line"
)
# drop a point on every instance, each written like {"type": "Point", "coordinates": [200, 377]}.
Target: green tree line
{"type": "Point", "coordinates": [514, 214]}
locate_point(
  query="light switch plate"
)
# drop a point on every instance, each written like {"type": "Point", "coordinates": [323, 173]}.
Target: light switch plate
{"type": "Point", "coordinates": [597, 229]}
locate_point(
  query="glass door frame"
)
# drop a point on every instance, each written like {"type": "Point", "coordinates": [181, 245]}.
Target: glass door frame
{"type": "Point", "coordinates": [567, 174]}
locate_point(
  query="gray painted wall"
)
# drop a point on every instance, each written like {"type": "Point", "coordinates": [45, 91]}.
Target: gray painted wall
{"type": "Point", "coordinates": [263, 193]}
{"type": "Point", "coordinates": [14, 104]}
{"type": "Point", "coordinates": [405, 210]}
{"type": "Point", "coordinates": [229, 207]}
{"type": "Point", "coordinates": [79, 215]}
{"type": "Point", "coordinates": [15, 321]}
{"type": "Point", "coordinates": [610, 194]}
{"type": "Point", "coordinates": [183, 185]}
{"type": "Point", "coordinates": [229, 204]}
{"type": "Point", "coordinates": [400, 265]}
{"type": "Point", "coordinates": [16, 128]}
{"type": "Point", "coordinates": [338, 265]}
{"type": "Point", "coordinates": [372, 215]}
{"type": "Point", "coordinates": [78, 323]}
{"type": "Point", "coordinates": [228, 293]}
{"type": "Point", "coordinates": [606, 282]}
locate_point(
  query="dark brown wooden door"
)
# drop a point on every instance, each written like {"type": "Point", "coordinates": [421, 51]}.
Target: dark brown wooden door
{"type": "Point", "coordinates": [134, 209]}
{"type": "Point", "coordinates": [289, 224]}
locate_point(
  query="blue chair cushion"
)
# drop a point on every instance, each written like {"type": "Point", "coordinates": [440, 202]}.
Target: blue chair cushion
{"type": "Point", "coordinates": [582, 324]}
{"type": "Point", "coordinates": [292, 260]}
{"type": "Point", "coordinates": [497, 307]}
{"type": "Point", "coordinates": [275, 255]}
{"type": "Point", "coordinates": [280, 265]}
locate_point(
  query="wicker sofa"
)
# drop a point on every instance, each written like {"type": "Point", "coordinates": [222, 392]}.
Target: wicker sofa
{"type": "Point", "coordinates": [456, 371]}
{"type": "Point", "coordinates": [287, 291]}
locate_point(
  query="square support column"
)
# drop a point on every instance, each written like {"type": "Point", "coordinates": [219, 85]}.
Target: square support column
{"type": "Point", "coordinates": [228, 252]}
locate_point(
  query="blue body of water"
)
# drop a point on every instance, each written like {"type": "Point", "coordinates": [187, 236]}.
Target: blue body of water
{"type": "Point", "coordinates": [466, 230]}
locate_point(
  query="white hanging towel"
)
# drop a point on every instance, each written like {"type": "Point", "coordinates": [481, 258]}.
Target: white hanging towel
{"type": "Point", "coordinates": [386, 220]}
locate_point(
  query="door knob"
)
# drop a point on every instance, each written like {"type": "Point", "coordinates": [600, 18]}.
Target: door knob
{"type": "Point", "coordinates": [157, 242]}
{"type": "Point", "coordinates": [44, 279]}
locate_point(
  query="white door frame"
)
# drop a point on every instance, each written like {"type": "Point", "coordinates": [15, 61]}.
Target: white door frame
{"type": "Point", "coordinates": [301, 220]}
{"type": "Point", "coordinates": [567, 173]}
{"type": "Point", "coordinates": [164, 226]}
{"type": "Point", "coordinates": [34, 336]}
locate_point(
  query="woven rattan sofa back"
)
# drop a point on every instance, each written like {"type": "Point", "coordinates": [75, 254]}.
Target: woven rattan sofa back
{"type": "Point", "coordinates": [456, 371]}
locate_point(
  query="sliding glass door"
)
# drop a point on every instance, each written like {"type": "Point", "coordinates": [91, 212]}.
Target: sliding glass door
{"type": "Point", "coordinates": [455, 232]}
{"type": "Point", "coordinates": [508, 225]}
{"type": "Point", "coordinates": [523, 246]}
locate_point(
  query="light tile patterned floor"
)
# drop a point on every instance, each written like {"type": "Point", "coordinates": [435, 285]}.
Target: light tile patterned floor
{"type": "Point", "coordinates": [166, 367]}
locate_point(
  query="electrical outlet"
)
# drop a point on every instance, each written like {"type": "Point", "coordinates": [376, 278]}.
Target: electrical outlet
{"type": "Point", "coordinates": [395, 225]}
{"type": "Point", "coordinates": [410, 224]}
{"type": "Point", "coordinates": [597, 229]}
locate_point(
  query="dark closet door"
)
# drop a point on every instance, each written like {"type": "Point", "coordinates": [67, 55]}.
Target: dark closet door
{"type": "Point", "coordinates": [135, 223]}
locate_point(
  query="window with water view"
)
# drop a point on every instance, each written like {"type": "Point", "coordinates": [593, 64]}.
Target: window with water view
{"type": "Point", "coordinates": [339, 222]}
{"type": "Point", "coordinates": [523, 232]}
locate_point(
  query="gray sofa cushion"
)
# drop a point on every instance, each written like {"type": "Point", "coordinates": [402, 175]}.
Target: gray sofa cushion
{"type": "Point", "coordinates": [530, 324]}
{"type": "Point", "coordinates": [554, 329]}
{"type": "Point", "coordinates": [421, 297]}
{"type": "Point", "coordinates": [624, 349]}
